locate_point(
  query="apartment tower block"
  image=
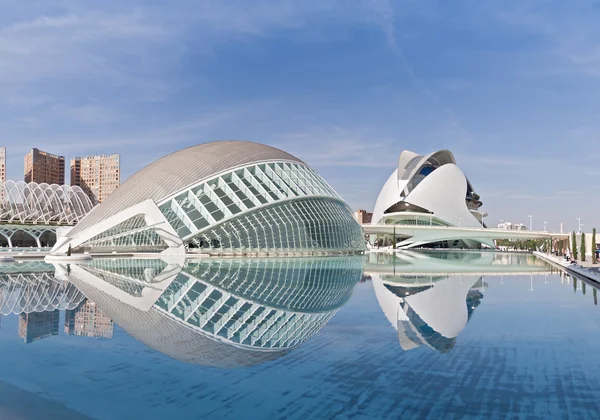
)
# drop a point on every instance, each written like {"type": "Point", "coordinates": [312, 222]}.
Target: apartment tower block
{"type": "Point", "coordinates": [98, 176]}
{"type": "Point", "coordinates": [44, 167]}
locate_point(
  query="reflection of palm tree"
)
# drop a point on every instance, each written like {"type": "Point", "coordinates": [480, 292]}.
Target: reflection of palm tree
{"type": "Point", "coordinates": [595, 296]}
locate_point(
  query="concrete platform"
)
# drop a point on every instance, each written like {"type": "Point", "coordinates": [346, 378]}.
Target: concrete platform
{"type": "Point", "coordinates": [588, 272]}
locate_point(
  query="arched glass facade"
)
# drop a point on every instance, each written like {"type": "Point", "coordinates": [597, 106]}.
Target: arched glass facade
{"type": "Point", "coordinates": [257, 303]}
{"type": "Point", "coordinates": [267, 207]}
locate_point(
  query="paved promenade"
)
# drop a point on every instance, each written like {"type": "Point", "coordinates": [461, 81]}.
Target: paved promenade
{"type": "Point", "coordinates": [582, 269]}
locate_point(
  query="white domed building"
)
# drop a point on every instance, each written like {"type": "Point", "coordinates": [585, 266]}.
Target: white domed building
{"type": "Point", "coordinates": [429, 190]}
{"type": "Point", "coordinates": [225, 197]}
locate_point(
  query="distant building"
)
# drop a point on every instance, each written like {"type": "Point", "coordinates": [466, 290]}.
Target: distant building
{"type": "Point", "coordinates": [98, 176]}
{"type": "Point", "coordinates": [37, 325]}
{"type": "Point", "coordinates": [363, 216]}
{"type": "Point", "coordinates": [88, 320]}
{"type": "Point", "coordinates": [511, 226]}
{"type": "Point", "coordinates": [2, 164]}
{"type": "Point", "coordinates": [44, 167]}
{"type": "Point", "coordinates": [2, 171]}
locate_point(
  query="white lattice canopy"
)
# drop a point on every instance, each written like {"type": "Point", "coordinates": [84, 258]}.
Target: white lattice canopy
{"type": "Point", "coordinates": [33, 203]}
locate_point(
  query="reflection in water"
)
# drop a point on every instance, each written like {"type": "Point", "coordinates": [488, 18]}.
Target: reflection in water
{"type": "Point", "coordinates": [88, 320]}
{"type": "Point", "coordinates": [429, 297]}
{"type": "Point", "coordinates": [430, 312]}
{"type": "Point", "coordinates": [32, 291]}
{"type": "Point", "coordinates": [32, 287]}
{"type": "Point", "coordinates": [220, 312]}
{"type": "Point", "coordinates": [447, 262]}
{"type": "Point", "coordinates": [37, 325]}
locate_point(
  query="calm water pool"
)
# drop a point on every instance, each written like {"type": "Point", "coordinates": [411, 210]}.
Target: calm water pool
{"type": "Point", "coordinates": [423, 335]}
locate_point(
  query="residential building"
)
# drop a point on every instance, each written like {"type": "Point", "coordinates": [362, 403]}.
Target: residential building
{"type": "Point", "coordinates": [363, 216]}
{"type": "Point", "coordinates": [511, 226]}
{"type": "Point", "coordinates": [2, 171]}
{"type": "Point", "coordinates": [88, 320]}
{"type": "Point", "coordinates": [37, 325]}
{"type": "Point", "coordinates": [98, 176]}
{"type": "Point", "coordinates": [43, 167]}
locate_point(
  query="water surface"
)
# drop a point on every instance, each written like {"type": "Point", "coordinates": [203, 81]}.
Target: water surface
{"type": "Point", "coordinates": [422, 335]}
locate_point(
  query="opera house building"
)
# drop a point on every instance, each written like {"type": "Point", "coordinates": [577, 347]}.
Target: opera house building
{"type": "Point", "coordinates": [429, 190]}
{"type": "Point", "coordinates": [222, 198]}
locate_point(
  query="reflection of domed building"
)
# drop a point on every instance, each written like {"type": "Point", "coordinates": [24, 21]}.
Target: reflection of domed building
{"type": "Point", "coordinates": [222, 197]}
{"type": "Point", "coordinates": [430, 312]}
{"type": "Point", "coordinates": [220, 312]}
{"type": "Point", "coordinates": [429, 190]}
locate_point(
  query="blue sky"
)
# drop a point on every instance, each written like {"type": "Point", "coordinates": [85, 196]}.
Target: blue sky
{"type": "Point", "coordinates": [512, 87]}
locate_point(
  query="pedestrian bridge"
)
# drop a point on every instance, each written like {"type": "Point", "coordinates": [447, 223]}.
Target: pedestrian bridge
{"type": "Point", "coordinates": [416, 235]}
{"type": "Point", "coordinates": [30, 213]}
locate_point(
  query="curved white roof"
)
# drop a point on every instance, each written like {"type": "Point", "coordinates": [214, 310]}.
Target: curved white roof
{"type": "Point", "coordinates": [180, 169]}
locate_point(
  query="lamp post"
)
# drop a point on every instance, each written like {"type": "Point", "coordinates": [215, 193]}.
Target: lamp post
{"type": "Point", "coordinates": [545, 223]}
{"type": "Point", "coordinates": [530, 222]}
{"type": "Point", "coordinates": [579, 224]}
{"type": "Point", "coordinates": [459, 219]}
{"type": "Point", "coordinates": [531, 282]}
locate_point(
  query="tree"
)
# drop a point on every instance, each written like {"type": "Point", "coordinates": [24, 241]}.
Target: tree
{"type": "Point", "coordinates": [574, 245]}
{"type": "Point", "coordinates": [582, 250]}
{"type": "Point", "coordinates": [594, 259]}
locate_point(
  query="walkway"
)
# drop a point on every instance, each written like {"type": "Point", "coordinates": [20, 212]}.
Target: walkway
{"type": "Point", "coordinates": [582, 269]}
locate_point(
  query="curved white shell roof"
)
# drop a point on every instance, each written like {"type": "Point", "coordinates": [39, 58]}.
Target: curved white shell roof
{"type": "Point", "coordinates": [180, 169]}
{"type": "Point", "coordinates": [442, 192]}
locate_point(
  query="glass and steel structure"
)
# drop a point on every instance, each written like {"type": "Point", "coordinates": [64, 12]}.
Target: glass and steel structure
{"type": "Point", "coordinates": [226, 197]}
{"type": "Point", "coordinates": [269, 206]}
{"type": "Point", "coordinates": [222, 311]}
{"type": "Point", "coordinates": [32, 287]}
{"type": "Point", "coordinates": [33, 203]}
{"type": "Point", "coordinates": [30, 213]}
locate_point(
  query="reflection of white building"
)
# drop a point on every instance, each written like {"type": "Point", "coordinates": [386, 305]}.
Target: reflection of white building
{"type": "Point", "coordinates": [431, 313]}
{"type": "Point", "coordinates": [220, 312]}
{"type": "Point", "coordinates": [429, 190]}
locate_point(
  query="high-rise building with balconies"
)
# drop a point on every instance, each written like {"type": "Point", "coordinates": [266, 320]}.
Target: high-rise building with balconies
{"type": "Point", "coordinates": [87, 320]}
{"type": "Point", "coordinates": [98, 176]}
{"type": "Point", "coordinates": [44, 167]}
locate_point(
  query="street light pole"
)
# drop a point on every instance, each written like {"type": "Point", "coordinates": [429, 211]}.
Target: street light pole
{"type": "Point", "coordinates": [545, 223]}
{"type": "Point", "coordinates": [530, 222]}
{"type": "Point", "coordinates": [579, 224]}
{"type": "Point", "coordinates": [459, 219]}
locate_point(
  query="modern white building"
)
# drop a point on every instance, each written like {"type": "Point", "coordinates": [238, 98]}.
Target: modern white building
{"type": "Point", "coordinates": [225, 197]}
{"type": "Point", "coordinates": [511, 226]}
{"type": "Point", "coordinates": [429, 190]}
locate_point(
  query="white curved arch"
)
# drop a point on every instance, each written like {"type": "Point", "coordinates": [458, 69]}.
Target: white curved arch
{"type": "Point", "coordinates": [42, 203]}
{"type": "Point", "coordinates": [389, 195]}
